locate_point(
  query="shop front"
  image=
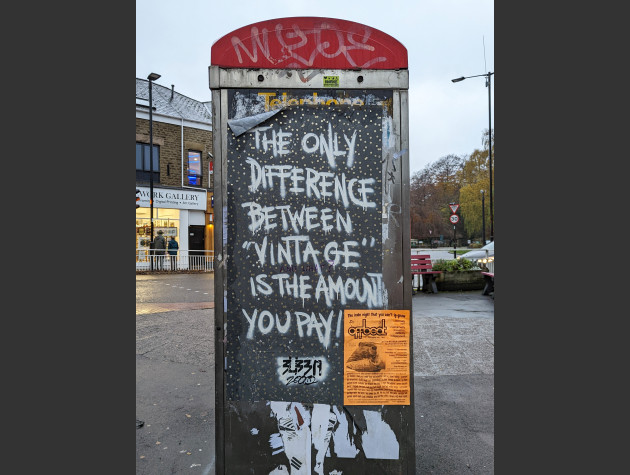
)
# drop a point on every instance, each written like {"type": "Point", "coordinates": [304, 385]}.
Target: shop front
{"type": "Point", "coordinates": [180, 215]}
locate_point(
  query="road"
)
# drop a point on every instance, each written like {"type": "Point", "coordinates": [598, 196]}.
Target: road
{"type": "Point", "coordinates": [172, 288]}
{"type": "Point", "coordinates": [175, 374]}
{"type": "Point", "coordinates": [445, 253]}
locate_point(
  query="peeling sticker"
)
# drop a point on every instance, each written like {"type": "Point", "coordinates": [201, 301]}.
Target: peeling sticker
{"type": "Point", "coordinates": [303, 435]}
{"type": "Point", "coordinates": [322, 425]}
{"type": "Point", "coordinates": [343, 445]}
{"type": "Point", "coordinates": [279, 470]}
{"type": "Point", "coordinates": [275, 442]}
{"type": "Point", "coordinates": [379, 440]}
{"type": "Point", "coordinates": [240, 126]}
{"type": "Point", "coordinates": [295, 437]}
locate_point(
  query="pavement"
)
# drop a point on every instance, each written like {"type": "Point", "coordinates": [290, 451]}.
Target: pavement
{"type": "Point", "coordinates": [453, 353]}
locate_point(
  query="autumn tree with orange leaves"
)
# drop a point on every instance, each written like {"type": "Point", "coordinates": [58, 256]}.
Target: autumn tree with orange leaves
{"type": "Point", "coordinates": [451, 179]}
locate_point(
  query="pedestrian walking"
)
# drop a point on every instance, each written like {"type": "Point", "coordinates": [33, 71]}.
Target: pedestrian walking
{"type": "Point", "coordinates": [173, 246]}
{"type": "Point", "coordinates": [159, 247]}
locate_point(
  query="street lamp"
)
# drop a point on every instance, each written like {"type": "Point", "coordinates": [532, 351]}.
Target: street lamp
{"type": "Point", "coordinates": [483, 217]}
{"type": "Point", "coordinates": [488, 84]}
{"type": "Point", "coordinates": [152, 77]}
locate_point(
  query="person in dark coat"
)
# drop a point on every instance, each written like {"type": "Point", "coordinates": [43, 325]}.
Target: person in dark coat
{"type": "Point", "coordinates": [173, 246]}
{"type": "Point", "coordinates": [159, 248]}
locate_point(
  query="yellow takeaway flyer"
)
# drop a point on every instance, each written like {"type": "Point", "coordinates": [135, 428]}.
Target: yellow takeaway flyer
{"type": "Point", "coordinates": [376, 357]}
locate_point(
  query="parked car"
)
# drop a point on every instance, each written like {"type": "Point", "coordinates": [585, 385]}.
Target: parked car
{"type": "Point", "coordinates": [486, 252]}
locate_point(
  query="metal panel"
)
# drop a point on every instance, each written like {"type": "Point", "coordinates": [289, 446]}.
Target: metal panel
{"type": "Point", "coordinates": [255, 398]}
{"type": "Point", "coordinates": [304, 215]}
{"type": "Point", "coordinates": [405, 200]}
{"type": "Point", "coordinates": [404, 236]}
{"type": "Point", "coordinates": [218, 150]}
{"type": "Point", "coordinates": [392, 207]}
{"type": "Point", "coordinates": [307, 79]}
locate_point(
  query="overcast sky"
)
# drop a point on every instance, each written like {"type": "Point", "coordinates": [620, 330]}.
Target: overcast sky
{"type": "Point", "coordinates": [444, 39]}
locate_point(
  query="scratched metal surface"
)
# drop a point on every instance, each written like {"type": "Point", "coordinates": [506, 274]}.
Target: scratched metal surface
{"type": "Point", "coordinates": [351, 447]}
{"type": "Point", "coordinates": [273, 359]}
{"type": "Point", "coordinates": [285, 342]}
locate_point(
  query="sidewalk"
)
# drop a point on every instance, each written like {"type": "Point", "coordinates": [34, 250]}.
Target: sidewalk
{"type": "Point", "coordinates": [453, 353]}
{"type": "Point", "coordinates": [453, 333]}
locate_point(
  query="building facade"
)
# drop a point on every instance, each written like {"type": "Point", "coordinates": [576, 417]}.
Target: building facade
{"type": "Point", "coordinates": [182, 172]}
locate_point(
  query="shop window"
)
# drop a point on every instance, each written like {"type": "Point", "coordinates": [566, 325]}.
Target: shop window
{"type": "Point", "coordinates": [143, 163]}
{"type": "Point", "coordinates": [193, 174]}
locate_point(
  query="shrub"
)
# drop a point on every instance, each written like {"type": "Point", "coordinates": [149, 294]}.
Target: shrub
{"type": "Point", "coordinates": [465, 264]}
{"type": "Point", "coordinates": [454, 265]}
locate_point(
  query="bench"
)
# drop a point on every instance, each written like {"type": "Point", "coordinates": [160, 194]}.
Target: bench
{"type": "Point", "coordinates": [421, 265]}
{"type": "Point", "coordinates": [489, 287]}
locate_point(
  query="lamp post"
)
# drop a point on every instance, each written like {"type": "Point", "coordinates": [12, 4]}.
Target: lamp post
{"type": "Point", "coordinates": [488, 85]}
{"type": "Point", "coordinates": [483, 217]}
{"type": "Point", "coordinates": [152, 77]}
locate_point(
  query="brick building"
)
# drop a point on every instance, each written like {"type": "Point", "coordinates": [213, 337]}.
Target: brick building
{"type": "Point", "coordinates": [182, 170]}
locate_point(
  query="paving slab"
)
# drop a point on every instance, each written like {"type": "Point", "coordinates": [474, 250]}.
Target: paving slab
{"type": "Point", "coordinates": [453, 343]}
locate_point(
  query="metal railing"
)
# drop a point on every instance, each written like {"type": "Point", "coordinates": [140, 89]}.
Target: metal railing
{"type": "Point", "coordinates": [184, 260]}
{"type": "Point", "coordinates": [490, 266]}
{"type": "Point", "coordinates": [447, 255]}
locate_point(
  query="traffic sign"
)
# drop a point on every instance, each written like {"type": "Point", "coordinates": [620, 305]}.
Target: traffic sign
{"type": "Point", "coordinates": [454, 219]}
{"type": "Point", "coordinates": [454, 208]}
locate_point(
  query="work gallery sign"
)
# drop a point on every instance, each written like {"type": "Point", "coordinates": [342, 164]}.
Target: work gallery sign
{"type": "Point", "coordinates": [176, 199]}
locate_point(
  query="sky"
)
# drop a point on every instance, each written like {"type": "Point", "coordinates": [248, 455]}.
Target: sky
{"type": "Point", "coordinates": [445, 39]}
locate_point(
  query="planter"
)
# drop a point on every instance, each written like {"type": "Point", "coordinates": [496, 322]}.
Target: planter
{"type": "Point", "coordinates": [460, 280]}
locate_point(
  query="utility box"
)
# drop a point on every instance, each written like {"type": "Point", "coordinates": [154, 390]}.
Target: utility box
{"type": "Point", "coordinates": [314, 367]}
